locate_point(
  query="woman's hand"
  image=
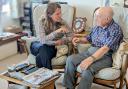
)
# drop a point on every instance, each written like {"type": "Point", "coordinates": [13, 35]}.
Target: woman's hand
{"type": "Point", "coordinates": [59, 42]}
{"type": "Point", "coordinates": [75, 41]}
{"type": "Point", "coordinates": [63, 29]}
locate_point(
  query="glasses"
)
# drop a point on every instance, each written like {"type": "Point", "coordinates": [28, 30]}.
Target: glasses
{"type": "Point", "coordinates": [100, 16]}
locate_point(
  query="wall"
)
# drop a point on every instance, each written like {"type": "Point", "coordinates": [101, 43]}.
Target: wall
{"type": "Point", "coordinates": [7, 21]}
{"type": "Point", "coordinates": [84, 8]}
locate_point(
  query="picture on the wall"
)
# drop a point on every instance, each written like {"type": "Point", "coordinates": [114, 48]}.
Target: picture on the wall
{"type": "Point", "coordinates": [126, 3]}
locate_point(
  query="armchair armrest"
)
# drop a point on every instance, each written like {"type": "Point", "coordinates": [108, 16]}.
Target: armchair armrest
{"type": "Point", "coordinates": [125, 59]}
{"type": "Point", "coordinates": [28, 41]}
{"type": "Point", "coordinates": [124, 64]}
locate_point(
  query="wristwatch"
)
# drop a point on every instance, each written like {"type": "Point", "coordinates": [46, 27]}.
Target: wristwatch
{"type": "Point", "coordinates": [94, 59]}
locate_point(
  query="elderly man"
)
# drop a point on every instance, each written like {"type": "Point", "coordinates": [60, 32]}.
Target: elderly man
{"type": "Point", "coordinates": [105, 39]}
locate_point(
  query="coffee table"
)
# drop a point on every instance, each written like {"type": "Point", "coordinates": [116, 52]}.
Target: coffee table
{"type": "Point", "coordinates": [49, 84]}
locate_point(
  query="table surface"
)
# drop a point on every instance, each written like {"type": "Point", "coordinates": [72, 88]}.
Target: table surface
{"type": "Point", "coordinates": [21, 82]}
{"type": "Point", "coordinates": [8, 39]}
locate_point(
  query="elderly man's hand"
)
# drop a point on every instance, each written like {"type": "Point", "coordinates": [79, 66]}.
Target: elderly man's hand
{"type": "Point", "coordinates": [86, 63]}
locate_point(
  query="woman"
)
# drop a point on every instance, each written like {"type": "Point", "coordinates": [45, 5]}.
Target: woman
{"type": "Point", "coordinates": [51, 32]}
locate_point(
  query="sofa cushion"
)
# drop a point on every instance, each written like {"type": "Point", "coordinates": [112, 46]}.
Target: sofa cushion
{"type": "Point", "coordinates": [106, 73]}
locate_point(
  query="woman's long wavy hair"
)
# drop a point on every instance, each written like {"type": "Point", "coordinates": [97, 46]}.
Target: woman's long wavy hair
{"type": "Point", "coordinates": [48, 23]}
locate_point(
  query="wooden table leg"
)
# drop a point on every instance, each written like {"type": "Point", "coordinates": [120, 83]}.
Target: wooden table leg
{"type": "Point", "coordinates": [49, 86]}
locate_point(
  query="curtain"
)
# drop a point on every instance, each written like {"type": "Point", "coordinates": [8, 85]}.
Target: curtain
{"type": "Point", "coordinates": [17, 8]}
{"type": "Point", "coordinates": [105, 2]}
{"type": "Point", "coordinates": [2, 2]}
{"type": "Point", "coordinates": [4, 13]}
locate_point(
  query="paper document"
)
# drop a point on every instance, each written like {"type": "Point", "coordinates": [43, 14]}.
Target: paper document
{"type": "Point", "coordinates": [39, 76]}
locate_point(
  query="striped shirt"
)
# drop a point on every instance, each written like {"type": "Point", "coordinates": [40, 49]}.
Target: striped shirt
{"type": "Point", "coordinates": [51, 38]}
{"type": "Point", "coordinates": [109, 36]}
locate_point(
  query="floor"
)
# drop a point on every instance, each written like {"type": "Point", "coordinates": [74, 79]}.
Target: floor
{"type": "Point", "coordinates": [12, 60]}
{"type": "Point", "coordinates": [4, 64]}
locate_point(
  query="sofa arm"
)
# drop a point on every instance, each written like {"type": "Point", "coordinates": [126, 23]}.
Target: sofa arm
{"type": "Point", "coordinates": [28, 41]}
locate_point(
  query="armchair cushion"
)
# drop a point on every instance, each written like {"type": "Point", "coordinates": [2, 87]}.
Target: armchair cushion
{"type": "Point", "coordinates": [55, 61]}
{"type": "Point", "coordinates": [60, 58]}
{"type": "Point", "coordinates": [106, 73]}
{"type": "Point", "coordinates": [61, 50]}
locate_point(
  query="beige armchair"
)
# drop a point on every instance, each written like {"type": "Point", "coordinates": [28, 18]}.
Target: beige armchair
{"type": "Point", "coordinates": [62, 51]}
{"type": "Point", "coordinates": [116, 73]}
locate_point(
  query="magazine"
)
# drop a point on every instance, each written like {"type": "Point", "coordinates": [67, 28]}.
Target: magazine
{"type": "Point", "coordinates": [40, 76]}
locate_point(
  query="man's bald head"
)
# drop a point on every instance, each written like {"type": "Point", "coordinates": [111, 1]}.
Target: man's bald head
{"type": "Point", "coordinates": [105, 11]}
{"type": "Point", "coordinates": [104, 15]}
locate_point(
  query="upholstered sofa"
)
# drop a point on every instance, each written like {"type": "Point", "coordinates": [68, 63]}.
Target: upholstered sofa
{"type": "Point", "coordinates": [63, 50]}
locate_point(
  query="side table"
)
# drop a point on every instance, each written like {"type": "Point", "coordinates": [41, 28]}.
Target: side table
{"type": "Point", "coordinates": [22, 46]}
{"type": "Point", "coordinates": [8, 46]}
{"type": "Point", "coordinates": [21, 43]}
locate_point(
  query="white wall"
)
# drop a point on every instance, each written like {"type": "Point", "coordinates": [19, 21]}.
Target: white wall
{"type": "Point", "coordinates": [85, 8]}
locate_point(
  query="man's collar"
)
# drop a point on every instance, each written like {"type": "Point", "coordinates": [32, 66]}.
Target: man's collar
{"type": "Point", "coordinates": [112, 21]}
{"type": "Point", "coordinates": [107, 25]}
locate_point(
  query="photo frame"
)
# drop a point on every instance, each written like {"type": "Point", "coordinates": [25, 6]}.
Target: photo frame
{"type": "Point", "coordinates": [126, 3]}
{"type": "Point", "coordinates": [79, 24]}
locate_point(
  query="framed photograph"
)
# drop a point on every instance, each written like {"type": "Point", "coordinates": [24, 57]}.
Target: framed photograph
{"type": "Point", "coordinates": [126, 3]}
{"type": "Point", "coordinates": [79, 24]}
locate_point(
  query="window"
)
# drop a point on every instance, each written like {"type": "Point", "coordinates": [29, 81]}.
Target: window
{"type": "Point", "coordinates": [5, 7]}
{"type": "Point", "coordinates": [4, 12]}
